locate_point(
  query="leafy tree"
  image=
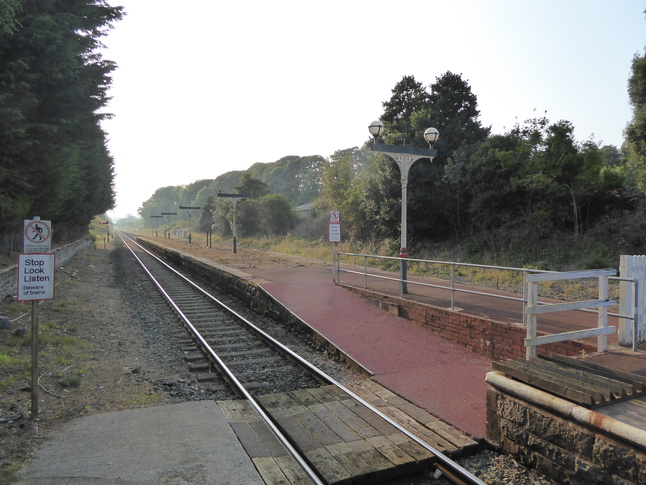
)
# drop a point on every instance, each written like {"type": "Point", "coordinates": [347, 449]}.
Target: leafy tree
{"type": "Point", "coordinates": [207, 213]}
{"type": "Point", "coordinates": [635, 133]}
{"type": "Point", "coordinates": [248, 218]}
{"type": "Point", "coordinates": [188, 193]}
{"type": "Point", "coordinates": [491, 180]}
{"type": "Point", "coordinates": [409, 97]}
{"type": "Point", "coordinates": [251, 187]}
{"type": "Point", "coordinates": [451, 107]}
{"type": "Point", "coordinates": [343, 188]}
{"type": "Point", "coordinates": [295, 177]}
{"type": "Point", "coordinates": [276, 214]}
{"type": "Point", "coordinates": [8, 21]}
{"type": "Point", "coordinates": [537, 177]}
{"type": "Point", "coordinates": [222, 183]}
{"type": "Point", "coordinates": [612, 155]}
{"type": "Point", "coordinates": [455, 114]}
{"type": "Point", "coordinates": [165, 199]}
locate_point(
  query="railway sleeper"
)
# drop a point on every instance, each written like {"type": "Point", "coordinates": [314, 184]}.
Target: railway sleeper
{"type": "Point", "coordinates": [264, 360]}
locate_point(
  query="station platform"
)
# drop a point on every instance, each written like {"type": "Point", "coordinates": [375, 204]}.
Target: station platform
{"type": "Point", "coordinates": [439, 376]}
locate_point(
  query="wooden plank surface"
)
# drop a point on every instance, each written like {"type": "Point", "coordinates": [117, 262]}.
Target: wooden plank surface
{"type": "Point", "coordinates": [342, 439]}
{"type": "Point", "coordinates": [581, 382]}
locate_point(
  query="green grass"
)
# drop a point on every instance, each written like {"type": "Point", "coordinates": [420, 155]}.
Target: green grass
{"type": "Point", "coordinates": [12, 368]}
{"type": "Point", "coordinates": [60, 305]}
{"type": "Point", "coordinates": [72, 381]}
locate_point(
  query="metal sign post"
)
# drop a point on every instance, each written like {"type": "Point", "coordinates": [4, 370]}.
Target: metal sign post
{"type": "Point", "coordinates": [334, 235]}
{"type": "Point", "coordinates": [36, 275]}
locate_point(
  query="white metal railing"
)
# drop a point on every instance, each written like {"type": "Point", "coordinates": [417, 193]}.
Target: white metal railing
{"type": "Point", "coordinates": [369, 272]}
{"type": "Point", "coordinates": [532, 309]}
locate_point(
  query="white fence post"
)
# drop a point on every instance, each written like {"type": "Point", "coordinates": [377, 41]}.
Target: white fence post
{"type": "Point", "coordinates": [602, 314]}
{"type": "Point", "coordinates": [532, 321]}
{"type": "Point", "coordinates": [632, 267]}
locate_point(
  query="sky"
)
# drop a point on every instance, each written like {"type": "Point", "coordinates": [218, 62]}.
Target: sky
{"type": "Point", "coordinates": [204, 87]}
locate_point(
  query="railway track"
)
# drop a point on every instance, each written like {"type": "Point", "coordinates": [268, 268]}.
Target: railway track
{"type": "Point", "coordinates": [284, 390]}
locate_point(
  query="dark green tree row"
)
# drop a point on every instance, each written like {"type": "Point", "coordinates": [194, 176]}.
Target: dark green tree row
{"type": "Point", "coordinates": [260, 212]}
{"type": "Point", "coordinates": [297, 178]}
{"type": "Point", "coordinates": [277, 187]}
{"type": "Point", "coordinates": [53, 82]}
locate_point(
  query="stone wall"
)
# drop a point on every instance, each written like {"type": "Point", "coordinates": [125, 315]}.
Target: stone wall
{"type": "Point", "coordinates": [564, 441]}
{"type": "Point", "coordinates": [9, 276]}
{"type": "Point", "coordinates": [495, 340]}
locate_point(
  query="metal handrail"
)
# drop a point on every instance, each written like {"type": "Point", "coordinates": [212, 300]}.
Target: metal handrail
{"type": "Point", "coordinates": [452, 286]}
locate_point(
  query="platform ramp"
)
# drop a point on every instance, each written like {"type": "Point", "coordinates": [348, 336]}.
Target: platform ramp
{"type": "Point", "coordinates": [589, 385]}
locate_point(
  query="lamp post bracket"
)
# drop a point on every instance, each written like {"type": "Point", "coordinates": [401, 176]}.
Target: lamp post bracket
{"type": "Point", "coordinates": [232, 195]}
{"type": "Point", "coordinates": [420, 152]}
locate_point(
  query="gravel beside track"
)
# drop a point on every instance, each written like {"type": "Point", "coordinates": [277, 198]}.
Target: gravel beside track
{"type": "Point", "coordinates": [109, 328]}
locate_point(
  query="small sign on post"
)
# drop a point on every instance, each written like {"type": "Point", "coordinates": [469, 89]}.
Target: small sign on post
{"type": "Point", "coordinates": [37, 236]}
{"type": "Point", "coordinates": [334, 236]}
{"type": "Point", "coordinates": [335, 227]}
{"type": "Point", "coordinates": [36, 273]}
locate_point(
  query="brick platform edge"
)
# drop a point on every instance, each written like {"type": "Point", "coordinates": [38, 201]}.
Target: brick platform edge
{"type": "Point", "coordinates": [495, 340]}
{"type": "Point", "coordinates": [564, 441]}
{"type": "Point", "coordinates": [240, 285]}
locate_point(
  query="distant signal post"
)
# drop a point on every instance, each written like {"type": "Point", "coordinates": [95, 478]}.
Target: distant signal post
{"type": "Point", "coordinates": [189, 209]}
{"type": "Point", "coordinates": [154, 231]}
{"type": "Point", "coordinates": [234, 200]}
{"type": "Point", "coordinates": [168, 214]}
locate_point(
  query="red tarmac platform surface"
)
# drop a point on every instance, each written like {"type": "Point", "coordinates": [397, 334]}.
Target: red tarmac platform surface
{"type": "Point", "coordinates": [440, 376]}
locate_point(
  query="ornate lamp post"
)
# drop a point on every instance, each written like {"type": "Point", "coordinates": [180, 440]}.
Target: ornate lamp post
{"type": "Point", "coordinates": [405, 158]}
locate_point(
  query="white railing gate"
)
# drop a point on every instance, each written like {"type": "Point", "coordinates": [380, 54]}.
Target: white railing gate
{"type": "Point", "coordinates": [534, 308]}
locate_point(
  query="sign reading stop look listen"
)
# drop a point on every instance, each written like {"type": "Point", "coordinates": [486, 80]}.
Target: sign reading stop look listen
{"type": "Point", "coordinates": [36, 276]}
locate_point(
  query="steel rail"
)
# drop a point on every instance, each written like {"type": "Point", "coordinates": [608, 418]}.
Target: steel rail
{"type": "Point", "coordinates": [449, 467]}
{"type": "Point", "coordinates": [230, 377]}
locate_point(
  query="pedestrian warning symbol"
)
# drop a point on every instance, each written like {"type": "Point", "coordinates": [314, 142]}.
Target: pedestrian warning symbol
{"type": "Point", "coordinates": [38, 236]}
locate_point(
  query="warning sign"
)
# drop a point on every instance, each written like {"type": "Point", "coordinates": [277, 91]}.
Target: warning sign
{"type": "Point", "coordinates": [334, 234]}
{"type": "Point", "coordinates": [36, 276]}
{"type": "Point", "coordinates": [37, 236]}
